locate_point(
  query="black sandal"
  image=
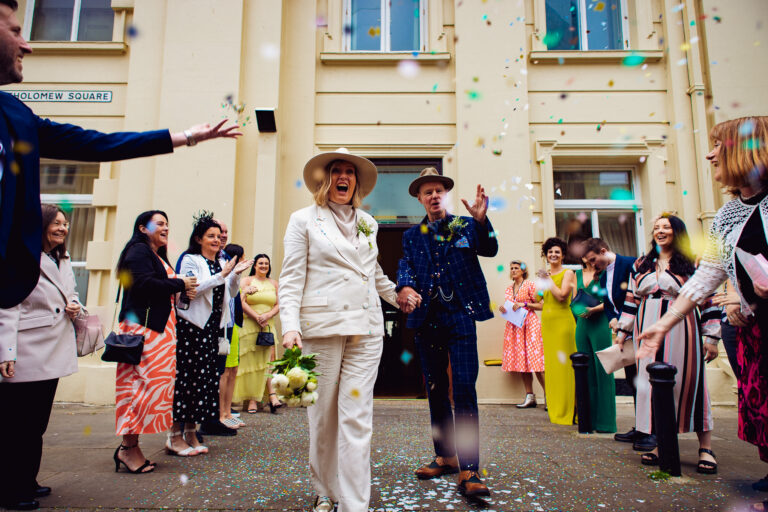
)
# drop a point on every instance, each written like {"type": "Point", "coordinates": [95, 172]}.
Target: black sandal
{"type": "Point", "coordinates": [138, 470]}
{"type": "Point", "coordinates": [706, 467]}
{"type": "Point", "coordinates": [649, 459]}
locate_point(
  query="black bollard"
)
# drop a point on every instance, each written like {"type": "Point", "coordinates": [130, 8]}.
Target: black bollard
{"type": "Point", "coordinates": [662, 377]}
{"type": "Point", "coordinates": [580, 362]}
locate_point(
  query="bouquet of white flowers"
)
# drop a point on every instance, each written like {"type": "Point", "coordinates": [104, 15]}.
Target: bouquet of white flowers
{"type": "Point", "coordinates": [294, 379]}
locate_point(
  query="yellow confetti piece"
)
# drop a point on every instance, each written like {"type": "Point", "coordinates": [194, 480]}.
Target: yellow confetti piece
{"type": "Point", "coordinates": [87, 430]}
{"type": "Point", "coordinates": [15, 169]}
{"type": "Point", "coordinates": [685, 47]}
{"type": "Point", "coordinates": [22, 147]}
{"type": "Point", "coordinates": [610, 83]}
{"type": "Point", "coordinates": [125, 278]}
{"type": "Point", "coordinates": [485, 471]}
{"type": "Point", "coordinates": [424, 229]}
{"type": "Point", "coordinates": [374, 31]}
{"type": "Point", "coordinates": [599, 6]}
{"type": "Point", "coordinates": [494, 306]}
{"type": "Point", "coordinates": [355, 393]}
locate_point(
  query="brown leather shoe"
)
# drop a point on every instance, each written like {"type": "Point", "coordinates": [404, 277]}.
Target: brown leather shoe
{"type": "Point", "coordinates": [437, 467]}
{"type": "Point", "coordinates": [470, 484]}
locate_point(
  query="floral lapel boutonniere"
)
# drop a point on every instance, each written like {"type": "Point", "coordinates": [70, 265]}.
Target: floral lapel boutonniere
{"type": "Point", "coordinates": [454, 227]}
{"type": "Point", "coordinates": [366, 229]}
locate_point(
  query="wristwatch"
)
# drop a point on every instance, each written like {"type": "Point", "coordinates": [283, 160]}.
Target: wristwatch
{"type": "Point", "coordinates": [190, 140]}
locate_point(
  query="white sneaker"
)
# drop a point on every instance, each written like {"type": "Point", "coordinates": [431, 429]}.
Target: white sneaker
{"type": "Point", "coordinates": [323, 504]}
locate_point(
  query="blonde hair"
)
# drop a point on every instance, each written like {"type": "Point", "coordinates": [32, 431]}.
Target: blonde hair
{"type": "Point", "coordinates": [743, 155]}
{"type": "Point", "coordinates": [323, 191]}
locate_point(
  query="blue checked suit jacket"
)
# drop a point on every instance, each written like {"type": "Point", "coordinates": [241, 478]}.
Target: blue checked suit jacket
{"type": "Point", "coordinates": [468, 281]}
{"type": "Point", "coordinates": [24, 139]}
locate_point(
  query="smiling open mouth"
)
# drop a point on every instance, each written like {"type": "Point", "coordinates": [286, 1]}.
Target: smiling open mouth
{"type": "Point", "coordinates": [342, 187]}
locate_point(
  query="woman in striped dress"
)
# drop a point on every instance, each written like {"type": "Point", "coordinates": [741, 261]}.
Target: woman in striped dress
{"type": "Point", "coordinates": [654, 284]}
{"type": "Point", "coordinates": [144, 391]}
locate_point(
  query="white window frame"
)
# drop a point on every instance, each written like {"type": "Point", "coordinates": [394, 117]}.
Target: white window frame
{"type": "Point", "coordinates": [583, 36]}
{"type": "Point", "coordinates": [385, 26]}
{"type": "Point", "coordinates": [594, 206]}
{"type": "Point", "coordinates": [29, 13]}
{"type": "Point", "coordinates": [72, 199]}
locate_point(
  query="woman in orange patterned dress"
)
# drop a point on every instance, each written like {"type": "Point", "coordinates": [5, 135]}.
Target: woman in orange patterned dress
{"type": "Point", "coordinates": [144, 392]}
{"type": "Point", "coordinates": [523, 348]}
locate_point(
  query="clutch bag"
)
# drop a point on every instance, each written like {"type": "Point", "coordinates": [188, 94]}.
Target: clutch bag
{"type": "Point", "coordinates": [583, 301]}
{"type": "Point", "coordinates": [614, 358]}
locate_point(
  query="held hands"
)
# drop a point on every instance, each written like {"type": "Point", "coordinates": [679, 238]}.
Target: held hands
{"type": "Point", "coordinates": [7, 369]}
{"type": "Point", "coordinates": [408, 299]}
{"type": "Point", "coordinates": [72, 310]}
{"type": "Point", "coordinates": [292, 338]}
{"type": "Point", "coordinates": [479, 208]}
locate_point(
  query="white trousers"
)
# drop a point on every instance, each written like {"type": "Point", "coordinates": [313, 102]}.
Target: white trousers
{"type": "Point", "coordinates": [341, 421]}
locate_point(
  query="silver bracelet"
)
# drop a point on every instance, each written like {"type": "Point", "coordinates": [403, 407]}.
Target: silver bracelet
{"type": "Point", "coordinates": [711, 341]}
{"type": "Point", "coordinates": [676, 313]}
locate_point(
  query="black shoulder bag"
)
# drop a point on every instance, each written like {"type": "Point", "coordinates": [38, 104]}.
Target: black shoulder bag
{"type": "Point", "coordinates": [123, 348]}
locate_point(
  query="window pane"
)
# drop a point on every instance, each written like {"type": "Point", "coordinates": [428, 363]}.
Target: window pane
{"type": "Point", "coordinates": [81, 220]}
{"type": "Point", "coordinates": [96, 20]}
{"type": "Point", "coordinates": [619, 230]}
{"type": "Point", "coordinates": [615, 185]}
{"type": "Point", "coordinates": [604, 25]}
{"type": "Point", "coordinates": [366, 25]}
{"type": "Point", "coordinates": [81, 282]}
{"type": "Point", "coordinates": [573, 226]}
{"type": "Point", "coordinates": [59, 178]}
{"type": "Point", "coordinates": [404, 25]}
{"type": "Point", "coordinates": [52, 20]}
{"type": "Point", "coordinates": [562, 25]}
{"type": "Point", "coordinates": [390, 202]}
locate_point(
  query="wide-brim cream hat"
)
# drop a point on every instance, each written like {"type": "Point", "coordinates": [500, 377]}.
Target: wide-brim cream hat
{"type": "Point", "coordinates": [427, 175]}
{"type": "Point", "coordinates": [315, 169]}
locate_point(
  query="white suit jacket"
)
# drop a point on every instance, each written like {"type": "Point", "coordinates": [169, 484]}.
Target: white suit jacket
{"type": "Point", "coordinates": [200, 308]}
{"type": "Point", "coordinates": [327, 287]}
{"type": "Point", "coordinates": [37, 333]}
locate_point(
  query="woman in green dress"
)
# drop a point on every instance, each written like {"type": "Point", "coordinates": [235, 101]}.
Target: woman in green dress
{"type": "Point", "coordinates": [558, 332]}
{"type": "Point", "coordinates": [594, 334]}
{"type": "Point", "coordinates": [260, 306]}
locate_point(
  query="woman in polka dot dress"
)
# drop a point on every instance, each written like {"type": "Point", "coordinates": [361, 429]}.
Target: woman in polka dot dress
{"type": "Point", "coordinates": [523, 348]}
{"type": "Point", "coordinates": [196, 396]}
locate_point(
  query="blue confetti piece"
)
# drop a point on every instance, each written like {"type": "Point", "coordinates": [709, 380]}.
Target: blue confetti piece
{"type": "Point", "coordinates": [298, 183]}
{"type": "Point", "coordinates": [406, 357]}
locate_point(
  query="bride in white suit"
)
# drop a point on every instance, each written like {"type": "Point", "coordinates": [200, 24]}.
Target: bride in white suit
{"type": "Point", "coordinates": [330, 286]}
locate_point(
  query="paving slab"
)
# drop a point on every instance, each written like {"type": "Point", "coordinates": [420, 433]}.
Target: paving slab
{"type": "Point", "coordinates": [528, 463]}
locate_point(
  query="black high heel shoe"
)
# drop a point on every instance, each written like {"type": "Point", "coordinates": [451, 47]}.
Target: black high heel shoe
{"type": "Point", "coordinates": [137, 470]}
{"type": "Point", "coordinates": [273, 408]}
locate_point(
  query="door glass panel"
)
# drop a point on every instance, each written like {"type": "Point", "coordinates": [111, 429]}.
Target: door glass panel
{"type": "Point", "coordinates": [619, 230]}
{"type": "Point", "coordinates": [390, 202]}
{"type": "Point", "coordinates": [52, 20]}
{"type": "Point", "coordinates": [366, 25]}
{"type": "Point", "coordinates": [593, 185]}
{"type": "Point", "coordinates": [573, 226]}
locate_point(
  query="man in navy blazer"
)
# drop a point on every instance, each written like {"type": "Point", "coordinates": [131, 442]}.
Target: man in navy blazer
{"type": "Point", "coordinates": [25, 138]}
{"type": "Point", "coordinates": [614, 281]}
{"type": "Point", "coordinates": [441, 285]}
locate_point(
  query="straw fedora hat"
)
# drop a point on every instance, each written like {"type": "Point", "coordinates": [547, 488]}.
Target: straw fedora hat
{"type": "Point", "coordinates": [366, 171]}
{"type": "Point", "coordinates": [427, 175]}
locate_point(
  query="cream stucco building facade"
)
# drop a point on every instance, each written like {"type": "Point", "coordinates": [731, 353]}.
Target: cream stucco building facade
{"type": "Point", "coordinates": [489, 92]}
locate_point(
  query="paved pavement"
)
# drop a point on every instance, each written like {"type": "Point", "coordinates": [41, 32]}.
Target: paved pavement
{"type": "Point", "coordinates": [528, 463]}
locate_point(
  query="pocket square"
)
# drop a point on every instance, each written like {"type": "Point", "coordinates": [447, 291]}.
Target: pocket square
{"type": "Point", "coordinates": [462, 242]}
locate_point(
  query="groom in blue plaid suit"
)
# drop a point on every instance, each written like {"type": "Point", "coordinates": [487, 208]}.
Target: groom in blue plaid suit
{"type": "Point", "coordinates": [441, 285]}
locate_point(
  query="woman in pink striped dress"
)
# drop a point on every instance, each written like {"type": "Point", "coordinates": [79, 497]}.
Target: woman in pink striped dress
{"type": "Point", "coordinates": [144, 392]}
{"type": "Point", "coordinates": [523, 346]}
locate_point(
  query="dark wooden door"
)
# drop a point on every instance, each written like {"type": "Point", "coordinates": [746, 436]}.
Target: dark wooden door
{"type": "Point", "coordinates": [399, 370]}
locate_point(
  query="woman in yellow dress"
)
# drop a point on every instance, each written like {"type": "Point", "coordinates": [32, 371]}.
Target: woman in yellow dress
{"type": "Point", "coordinates": [558, 331]}
{"type": "Point", "coordinates": [260, 306]}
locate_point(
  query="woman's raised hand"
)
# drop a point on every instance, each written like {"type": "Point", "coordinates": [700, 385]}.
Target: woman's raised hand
{"type": "Point", "coordinates": [242, 266]}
